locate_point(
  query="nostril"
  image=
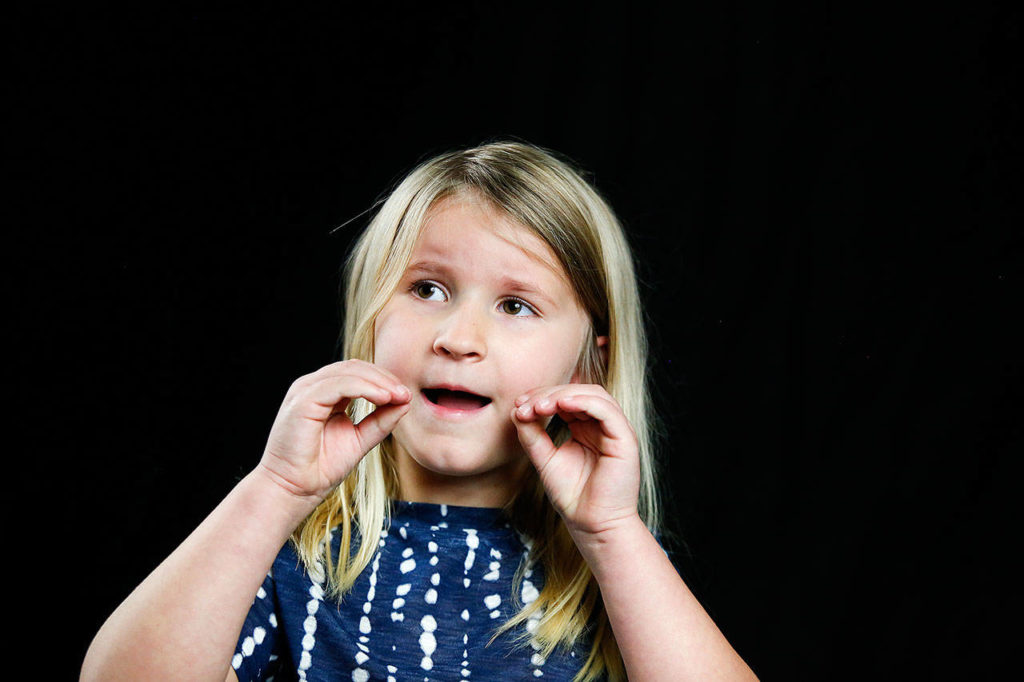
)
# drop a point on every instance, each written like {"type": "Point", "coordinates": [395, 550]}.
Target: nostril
{"type": "Point", "coordinates": [457, 351]}
{"type": "Point", "coordinates": [460, 340]}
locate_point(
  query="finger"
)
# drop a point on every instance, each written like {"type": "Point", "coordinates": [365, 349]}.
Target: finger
{"type": "Point", "coordinates": [376, 426]}
{"type": "Point", "coordinates": [544, 402]}
{"type": "Point", "coordinates": [532, 393]}
{"type": "Point", "coordinates": [528, 411]}
{"type": "Point", "coordinates": [543, 392]}
{"type": "Point", "coordinates": [535, 440]}
{"type": "Point", "coordinates": [579, 407]}
{"type": "Point", "coordinates": [361, 368]}
{"type": "Point", "coordinates": [328, 393]}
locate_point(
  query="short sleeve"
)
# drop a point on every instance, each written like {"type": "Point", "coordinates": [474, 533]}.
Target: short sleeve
{"type": "Point", "coordinates": [660, 539]}
{"type": "Point", "coordinates": [256, 654]}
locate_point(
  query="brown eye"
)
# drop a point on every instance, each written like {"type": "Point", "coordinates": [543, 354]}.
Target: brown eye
{"type": "Point", "coordinates": [514, 306]}
{"type": "Point", "coordinates": [428, 291]}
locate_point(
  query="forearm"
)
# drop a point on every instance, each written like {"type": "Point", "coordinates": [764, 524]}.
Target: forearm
{"type": "Point", "coordinates": [183, 621]}
{"type": "Point", "coordinates": [661, 629]}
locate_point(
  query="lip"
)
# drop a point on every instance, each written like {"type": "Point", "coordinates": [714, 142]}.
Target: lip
{"type": "Point", "coordinates": [452, 413]}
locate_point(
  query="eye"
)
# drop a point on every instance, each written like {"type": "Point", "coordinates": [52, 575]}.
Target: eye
{"type": "Point", "coordinates": [428, 291]}
{"type": "Point", "coordinates": [517, 307]}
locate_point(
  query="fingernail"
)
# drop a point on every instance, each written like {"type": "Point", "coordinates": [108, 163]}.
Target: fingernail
{"type": "Point", "coordinates": [521, 399]}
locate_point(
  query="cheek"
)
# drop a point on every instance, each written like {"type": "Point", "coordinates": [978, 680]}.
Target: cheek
{"type": "Point", "coordinates": [390, 345]}
{"type": "Point", "coordinates": [537, 367]}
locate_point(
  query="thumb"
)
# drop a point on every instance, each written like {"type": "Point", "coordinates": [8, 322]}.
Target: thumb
{"type": "Point", "coordinates": [535, 440]}
{"type": "Point", "coordinates": [375, 427]}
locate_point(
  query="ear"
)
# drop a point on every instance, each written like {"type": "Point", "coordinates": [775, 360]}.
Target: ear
{"type": "Point", "coordinates": [602, 349]}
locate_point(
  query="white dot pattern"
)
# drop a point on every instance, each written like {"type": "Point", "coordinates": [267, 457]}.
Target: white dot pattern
{"type": "Point", "coordinates": [445, 583]}
{"type": "Point", "coordinates": [365, 627]}
{"type": "Point", "coordinates": [249, 642]}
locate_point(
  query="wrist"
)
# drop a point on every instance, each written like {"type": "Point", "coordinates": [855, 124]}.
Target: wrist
{"type": "Point", "coordinates": [275, 493]}
{"type": "Point", "coordinates": [613, 542]}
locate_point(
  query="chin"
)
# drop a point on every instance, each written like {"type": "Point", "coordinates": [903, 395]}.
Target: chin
{"type": "Point", "coordinates": [454, 463]}
{"type": "Point", "coordinates": [453, 457]}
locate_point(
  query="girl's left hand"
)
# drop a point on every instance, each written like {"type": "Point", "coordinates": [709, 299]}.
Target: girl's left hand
{"type": "Point", "coordinates": [593, 478]}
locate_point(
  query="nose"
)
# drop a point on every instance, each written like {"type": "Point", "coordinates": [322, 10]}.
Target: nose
{"type": "Point", "coordinates": [461, 334]}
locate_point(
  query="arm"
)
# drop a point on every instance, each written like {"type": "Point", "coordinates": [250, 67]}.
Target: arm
{"type": "Point", "coordinates": [593, 480]}
{"type": "Point", "coordinates": [662, 631]}
{"type": "Point", "coordinates": [184, 620]}
{"type": "Point", "coordinates": [196, 600]}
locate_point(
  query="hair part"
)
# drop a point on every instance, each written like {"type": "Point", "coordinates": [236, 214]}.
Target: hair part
{"type": "Point", "coordinates": [549, 196]}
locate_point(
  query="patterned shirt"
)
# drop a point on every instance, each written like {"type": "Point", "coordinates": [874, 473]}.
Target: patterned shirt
{"type": "Point", "coordinates": [424, 608]}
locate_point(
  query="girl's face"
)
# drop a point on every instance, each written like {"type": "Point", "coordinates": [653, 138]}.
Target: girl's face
{"type": "Point", "coordinates": [483, 313]}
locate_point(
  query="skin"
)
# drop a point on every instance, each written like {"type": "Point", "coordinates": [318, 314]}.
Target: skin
{"type": "Point", "coordinates": [449, 322]}
{"type": "Point", "coordinates": [196, 600]}
{"type": "Point", "coordinates": [456, 320]}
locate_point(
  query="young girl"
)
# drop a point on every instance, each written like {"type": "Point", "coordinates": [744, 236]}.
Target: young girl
{"type": "Point", "coordinates": [471, 495]}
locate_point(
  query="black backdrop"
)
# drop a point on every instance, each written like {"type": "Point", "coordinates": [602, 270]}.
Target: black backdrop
{"type": "Point", "coordinates": [825, 207]}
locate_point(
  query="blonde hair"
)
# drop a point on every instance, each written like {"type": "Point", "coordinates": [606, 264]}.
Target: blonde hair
{"type": "Point", "coordinates": [550, 197]}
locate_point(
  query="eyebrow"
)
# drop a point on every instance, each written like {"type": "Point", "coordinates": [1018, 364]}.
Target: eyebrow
{"type": "Point", "coordinates": [516, 286]}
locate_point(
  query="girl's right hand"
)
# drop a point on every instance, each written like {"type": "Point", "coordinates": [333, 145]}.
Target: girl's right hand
{"type": "Point", "coordinates": [313, 445]}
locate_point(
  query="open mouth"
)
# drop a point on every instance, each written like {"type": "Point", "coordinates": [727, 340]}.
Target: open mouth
{"type": "Point", "coordinates": [455, 400]}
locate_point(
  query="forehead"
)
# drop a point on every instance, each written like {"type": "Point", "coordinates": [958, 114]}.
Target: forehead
{"type": "Point", "coordinates": [471, 229]}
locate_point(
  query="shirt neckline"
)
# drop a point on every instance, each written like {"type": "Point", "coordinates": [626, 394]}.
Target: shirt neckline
{"type": "Point", "coordinates": [450, 514]}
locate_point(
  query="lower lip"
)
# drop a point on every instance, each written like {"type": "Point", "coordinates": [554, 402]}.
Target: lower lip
{"type": "Point", "coordinates": [452, 413]}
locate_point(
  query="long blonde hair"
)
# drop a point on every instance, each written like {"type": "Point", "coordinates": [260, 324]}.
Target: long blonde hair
{"type": "Point", "coordinates": [551, 198]}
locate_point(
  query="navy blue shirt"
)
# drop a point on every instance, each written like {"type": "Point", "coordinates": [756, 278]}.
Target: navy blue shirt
{"type": "Point", "coordinates": [424, 609]}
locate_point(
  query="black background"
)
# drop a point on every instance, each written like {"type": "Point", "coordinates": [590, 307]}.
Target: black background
{"type": "Point", "coordinates": [824, 203]}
